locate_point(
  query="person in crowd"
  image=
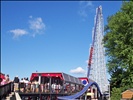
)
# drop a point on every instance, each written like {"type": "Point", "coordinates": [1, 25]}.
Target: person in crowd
{"type": "Point", "coordinates": [22, 80]}
{"type": "Point", "coordinates": [27, 84]}
{"type": "Point", "coordinates": [53, 87]}
{"type": "Point", "coordinates": [22, 85]}
{"type": "Point", "coordinates": [59, 87]}
{"type": "Point", "coordinates": [42, 87]}
{"type": "Point", "coordinates": [33, 86]}
{"type": "Point", "coordinates": [16, 83]}
{"type": "Point", "coordinates": [3, 82]}
{"type": "Point", "coordinates": [37, 85]}
{"type": "Point", "coordinates": [48, 86]}
{"type": "Point", "coordinates": [7, 78]}
{"type": "Point", "coordinates": [65, 87]}
{"type": "Point", "coordinates": [26, 81]}
{"type": "Point", "coordinates": [45, 87]}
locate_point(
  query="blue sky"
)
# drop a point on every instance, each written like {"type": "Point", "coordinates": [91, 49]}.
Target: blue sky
{"type": "Point", "coordinates": [52, 36]}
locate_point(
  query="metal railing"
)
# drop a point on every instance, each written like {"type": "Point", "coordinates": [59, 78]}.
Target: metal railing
{"type": "Point", "coordinates": [42, 88]}
{"type": "Point", "coordinates": [6, 89]}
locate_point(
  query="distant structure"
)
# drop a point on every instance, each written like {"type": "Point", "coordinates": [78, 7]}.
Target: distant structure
{"type": "Point", "coordinates": [96, 63]}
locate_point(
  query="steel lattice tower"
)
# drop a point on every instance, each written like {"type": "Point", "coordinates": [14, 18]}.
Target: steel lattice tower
{"type": "Point", "coordinates": [98, 66]}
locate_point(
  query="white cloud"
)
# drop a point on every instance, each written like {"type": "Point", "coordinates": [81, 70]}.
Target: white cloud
{"type": "Point", "coordinates": [18, 32]}
{"type": "Point", "coordinates": [37, 25]}
{"type": "Point", "coordinates": [85, 7]}
{"type": "Point", "coordinates": [78, 70]}
{"type": "Point", "coordinates": [83, 13]}
{"type": "Point", "coordinates": [30, 16]}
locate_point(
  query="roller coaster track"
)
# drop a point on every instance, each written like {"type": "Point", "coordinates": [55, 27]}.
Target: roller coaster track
{"type": "Point", "coordinates": [92, 46]}
{"type": "Point", "coordinates": [77, 95]}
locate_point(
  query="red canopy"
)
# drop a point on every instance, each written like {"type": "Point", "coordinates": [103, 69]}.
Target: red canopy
{"type": "Point", "coordinates": [2, 76]}
{"type": "Point", "coordinates": [52, 74]}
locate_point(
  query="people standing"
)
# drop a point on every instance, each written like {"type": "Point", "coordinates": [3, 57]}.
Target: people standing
{"type": "Point", "coordinates": [22, 85]}
{"type": "Point", "coordinates": [33, 86]}
{"type": "Point", "coordinates": [7, 78]}
{"type": "Point", "coordinates": [16, 83]}
{"type": "Point", "coordinates": [3, 82]}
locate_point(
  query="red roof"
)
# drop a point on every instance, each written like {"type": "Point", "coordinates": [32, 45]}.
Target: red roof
{"type": "Point", "coordinates": [61, 75]}
{"type": "Point", "coordinates": [46, 75]}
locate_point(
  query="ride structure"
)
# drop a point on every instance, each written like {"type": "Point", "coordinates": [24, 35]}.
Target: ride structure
{"type": "Point", "coordinates": [96, 62]}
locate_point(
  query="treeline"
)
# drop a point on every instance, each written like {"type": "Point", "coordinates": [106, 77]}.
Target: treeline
{"type": "Point", "coordinates": [118, 42]}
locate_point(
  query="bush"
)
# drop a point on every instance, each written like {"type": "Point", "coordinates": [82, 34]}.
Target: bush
{"type": "Point", "coordinates": [116, 94]}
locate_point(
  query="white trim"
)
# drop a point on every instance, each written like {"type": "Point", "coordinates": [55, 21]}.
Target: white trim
{"type": "Point", "coordinates": [17, 96]}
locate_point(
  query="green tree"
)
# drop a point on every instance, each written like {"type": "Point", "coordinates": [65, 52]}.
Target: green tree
{"type": "Point", "coordinates": [116, 94]}
{"type": "Point", "coordinates": [118, 42]}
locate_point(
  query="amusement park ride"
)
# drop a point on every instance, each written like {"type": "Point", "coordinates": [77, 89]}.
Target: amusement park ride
{"type": "Point", "coordinates": [96, 61]}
